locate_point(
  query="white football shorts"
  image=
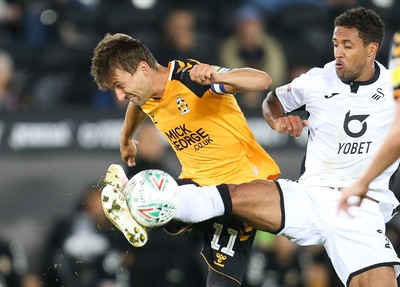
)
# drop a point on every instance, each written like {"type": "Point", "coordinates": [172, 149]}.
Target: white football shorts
{"type": "Point", "coordinates": [354, 244]}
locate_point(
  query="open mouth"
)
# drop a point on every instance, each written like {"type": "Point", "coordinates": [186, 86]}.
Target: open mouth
{"type": "Point", "coordinates": [339, 65]}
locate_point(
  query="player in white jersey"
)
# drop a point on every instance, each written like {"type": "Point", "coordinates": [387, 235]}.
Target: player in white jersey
{"type": "Point", "coordinates": [347, 122]}
{"type": "Point", "coordinates": [390, 149]}
{"type": "Point", "coordinates": [350, 108]}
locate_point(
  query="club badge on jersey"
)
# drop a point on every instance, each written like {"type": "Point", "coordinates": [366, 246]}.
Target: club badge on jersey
{"type": "Point", "coordinates": [182, 106]}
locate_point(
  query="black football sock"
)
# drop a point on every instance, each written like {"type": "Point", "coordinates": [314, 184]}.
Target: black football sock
{"type": "Point", "coordinates": [226, 198]}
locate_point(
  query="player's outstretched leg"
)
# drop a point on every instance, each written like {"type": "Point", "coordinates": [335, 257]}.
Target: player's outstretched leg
{"type": "Point", "coordinates": [116, 209]}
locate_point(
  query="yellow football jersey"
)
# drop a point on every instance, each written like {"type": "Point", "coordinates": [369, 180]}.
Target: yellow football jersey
{"type": "Point", "coordinates": [208, 131]}
{"type": "Point", "coordinates": [394, 63]}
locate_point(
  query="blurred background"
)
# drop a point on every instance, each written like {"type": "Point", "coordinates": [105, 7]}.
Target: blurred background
{"type": "Point", "coordinates": [59, 134]}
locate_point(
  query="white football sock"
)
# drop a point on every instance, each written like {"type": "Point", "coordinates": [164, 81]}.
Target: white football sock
{"type": "Point", "coordinates": [199, 203]}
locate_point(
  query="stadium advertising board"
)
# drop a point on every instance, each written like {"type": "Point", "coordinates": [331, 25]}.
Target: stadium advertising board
{"type": "Point", "coordinates": [94, 130]}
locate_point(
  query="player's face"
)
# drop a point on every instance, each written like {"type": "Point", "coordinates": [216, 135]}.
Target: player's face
{"type": "Point", "coordinates": [132, 87]}
{"type": "Point", "coordinates": [351, 55]}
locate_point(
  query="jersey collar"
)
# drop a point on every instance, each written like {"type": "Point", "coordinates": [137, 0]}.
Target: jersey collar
{"type": "Point", "coordinates": [354, 85]}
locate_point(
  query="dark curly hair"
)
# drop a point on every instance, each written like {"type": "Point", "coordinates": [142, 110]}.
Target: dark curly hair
{"type": "Point", "coordinates": [368, 23]}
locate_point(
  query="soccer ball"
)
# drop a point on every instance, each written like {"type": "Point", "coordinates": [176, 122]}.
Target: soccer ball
{"type": "Point", "coordinates": [152, 197]}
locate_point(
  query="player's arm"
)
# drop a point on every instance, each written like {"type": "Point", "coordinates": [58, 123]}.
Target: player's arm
{"type": "Point", "coordinates": [387, 154]}
{"type": "Point", "coordinates": [134, 116]}
{"type": "Point", "coordinates": [278, 120]}
{"type": "Point", "coordinates": [235, 80]}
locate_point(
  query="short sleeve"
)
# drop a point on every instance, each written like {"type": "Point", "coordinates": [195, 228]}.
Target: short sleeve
{"type": "Point", "coordinates": [292, 95]}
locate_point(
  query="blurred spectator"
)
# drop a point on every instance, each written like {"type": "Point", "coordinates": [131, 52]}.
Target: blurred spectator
{"type": "Point", "coordinates": [250, 103]}
{"type": "Point", "coordinates": [137, 18]}
{"type": "Point", "coordinates": [64, 35]}
{"type": "Point", "coordinates": [84, 250]}
{"type": "Point", "coordinates": [31, 280]}
{"type": "Point", "coordinates": [171, 261]}
{"type": "Point", "coordinates": [9, 99]}
{"type": "Point", "coordinates": [11, 256]}
{"type": "Point", "coordinates": [8, 276]}
{"type": "Point", "coordinates": [11, 14]}
{"type": "Point", "coordinates": [182, 38]}
{"type": "Point", "coordinates": [276, 7]}
{"type": "Point", "coordinates": [306, 33]}
{"type": "Point", "coordinates": [275, 262]}
{"type": "Point", "coordinates": [250, 45]}
{"type": "Point", "coordinates": [319, 271]}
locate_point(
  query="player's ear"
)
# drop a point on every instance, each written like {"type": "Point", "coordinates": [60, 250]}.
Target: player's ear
{"type": "Point", "coordinates": [373, 49]}
{"type": "Point", "coordinates": [143, 66]}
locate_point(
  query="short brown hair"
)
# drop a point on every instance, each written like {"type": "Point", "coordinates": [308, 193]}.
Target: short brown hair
{"type": "Point", "coordinates": [369, 25]}
{"type": "Point", "coordinates": [118, 51]}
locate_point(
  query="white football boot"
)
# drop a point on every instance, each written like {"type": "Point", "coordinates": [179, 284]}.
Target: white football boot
{"type": "Point", "coordinates": [116, 207]}
{"type": "Point", "coordinates": [115, 176]}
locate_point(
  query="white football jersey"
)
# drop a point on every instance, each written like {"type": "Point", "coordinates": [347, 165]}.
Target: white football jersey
{"type": "Point", "coordinates": [347, 124]}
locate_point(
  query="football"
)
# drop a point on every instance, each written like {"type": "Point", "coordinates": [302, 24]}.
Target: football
{"type": "Point", "coordinates": [152, 197]}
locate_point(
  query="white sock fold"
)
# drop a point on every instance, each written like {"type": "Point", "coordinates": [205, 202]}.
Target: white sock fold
{"type": "Point", "coordinates": [199, 203]}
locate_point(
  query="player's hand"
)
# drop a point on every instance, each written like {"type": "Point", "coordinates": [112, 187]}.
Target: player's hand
{"type": "Point", "coordinates": [352, 196]}
{"type": "Point", "coordinates": [291, 125]}
{"type": "Point", "coordinates": [203, 74]}
{"type": "Point", "coordinates": [129, 151]}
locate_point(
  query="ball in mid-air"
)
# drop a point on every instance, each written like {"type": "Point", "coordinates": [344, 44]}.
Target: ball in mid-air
{"type": "Point", "coordinates": [152, 197]}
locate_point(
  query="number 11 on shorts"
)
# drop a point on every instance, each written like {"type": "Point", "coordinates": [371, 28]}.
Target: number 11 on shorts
{"type": "Point", "coordinates": [228, 249]}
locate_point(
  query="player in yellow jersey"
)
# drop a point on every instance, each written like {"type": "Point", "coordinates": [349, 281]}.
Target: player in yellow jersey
{"type": "Point", "coordinates": [193, 106]}
{"type": "Point", "coordinates": [390, 149]}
